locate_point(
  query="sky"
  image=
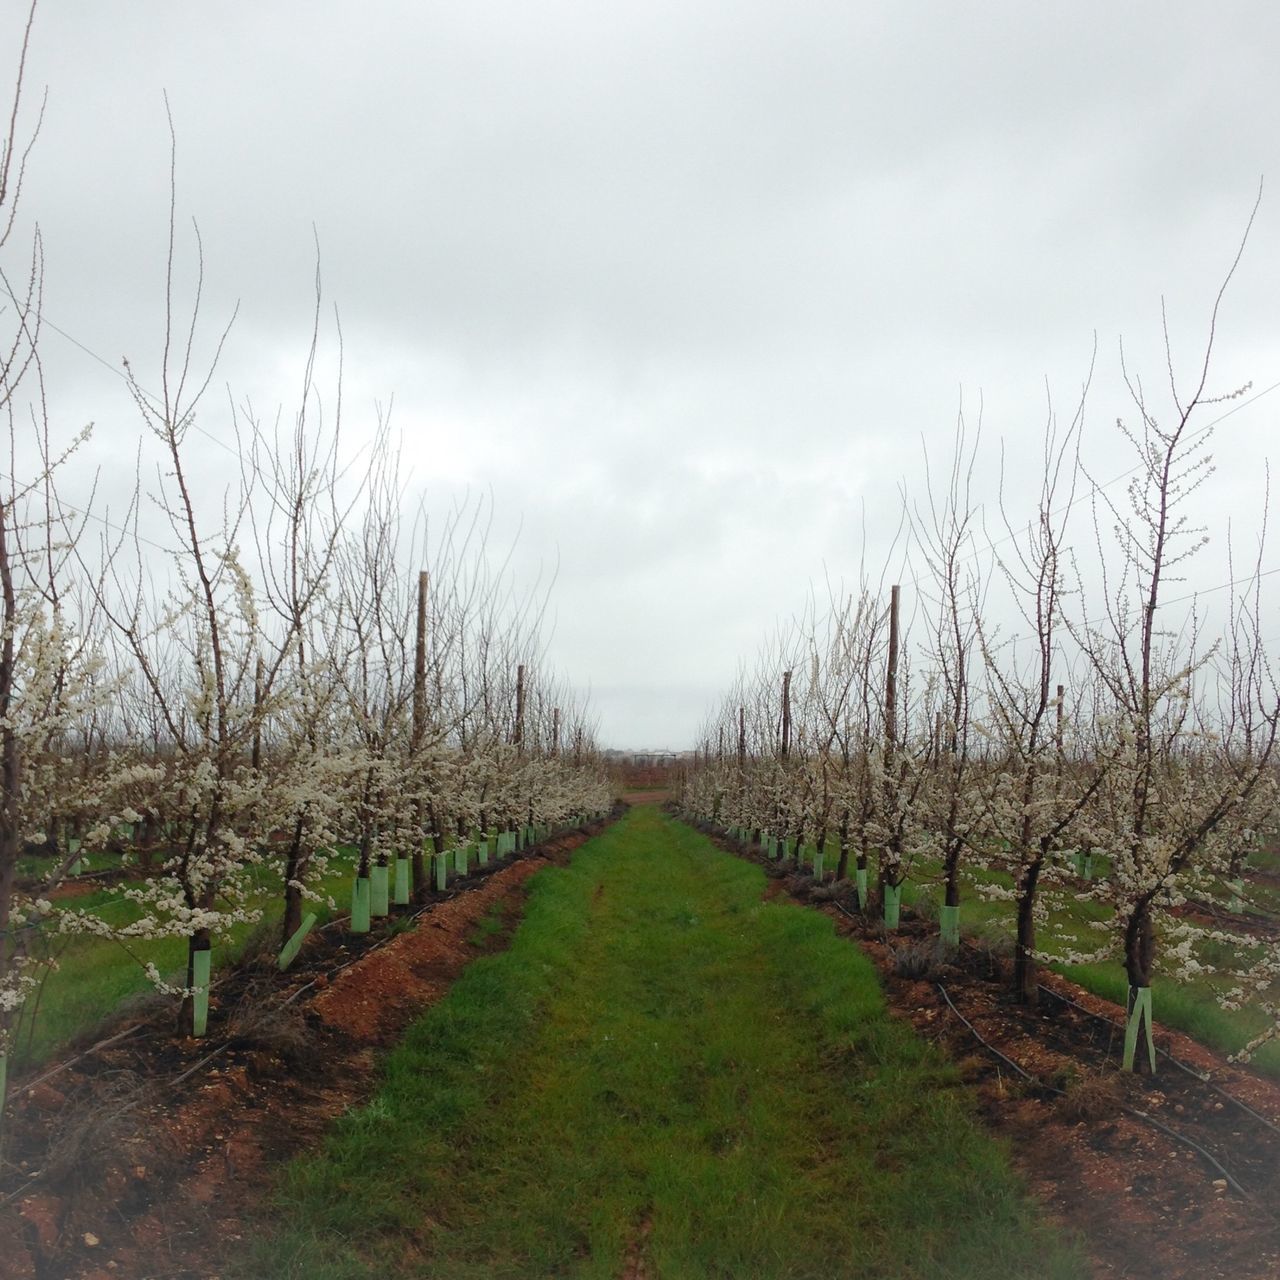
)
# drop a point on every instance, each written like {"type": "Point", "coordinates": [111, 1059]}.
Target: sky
{"type": "Point", "coordinates": [686, 290]}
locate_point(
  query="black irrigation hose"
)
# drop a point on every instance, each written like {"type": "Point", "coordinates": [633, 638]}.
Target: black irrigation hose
{"type": "Point", "coordinates": [1130, 1111]}
{"type": "Point", "coordinates": [1026, 1075]}
{"type": "Point", "coordinates": [1116, 1026]}
{"type": "Point", "coordinates": [1188, 1142]}
{"type": "Point", "coordinates": [1205, 1080]}
{"type": "Point", "coordinates": [70, 1062]}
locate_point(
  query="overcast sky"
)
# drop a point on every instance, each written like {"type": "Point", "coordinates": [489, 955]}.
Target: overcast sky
{"type": "Point", "coordinates": [684, 286]}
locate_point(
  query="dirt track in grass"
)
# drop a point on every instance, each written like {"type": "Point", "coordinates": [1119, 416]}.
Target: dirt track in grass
{"type": "Point", "coordinates": [665, 1078]}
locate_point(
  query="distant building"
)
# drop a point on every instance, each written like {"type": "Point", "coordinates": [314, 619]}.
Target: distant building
{"type": "Point", "coordinates": [648, 759]}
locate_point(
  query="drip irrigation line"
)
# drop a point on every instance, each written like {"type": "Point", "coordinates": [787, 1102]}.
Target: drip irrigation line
{"type": "Point", "coordinates": [1026, 1075]}
{"type": "Point", "coordinates": [1203, 1079]}
{"type": "Point", "coordinates": [1188, 1142]}
{"type": "Point", "coordinates": [22, 1190]}
{"type": "Point", "coordinates": [190, 1071]}
{"type": "Point", "coordinates": [1129, 1111]}
{"type": "Point", "coordinates": [1206, 1080]}
{"type": "Point", "coordinates": [70, 1062]}
{"type": "Point", "coordinates": [1117, 1026]}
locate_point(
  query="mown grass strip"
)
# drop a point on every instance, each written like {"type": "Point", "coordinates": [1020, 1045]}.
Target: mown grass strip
{"type": "Point", "coordinates": [661, 1062]}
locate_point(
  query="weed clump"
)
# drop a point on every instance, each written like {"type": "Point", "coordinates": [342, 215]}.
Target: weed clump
{"type": "Point", "coordinates": [281, 1031]}
{"type": "Point", "coordinates": [1095, 1095]}
{"type": "Point", "coordinates": [91, 1130]}
{"type": "Point", "coordinates": [923, 961]}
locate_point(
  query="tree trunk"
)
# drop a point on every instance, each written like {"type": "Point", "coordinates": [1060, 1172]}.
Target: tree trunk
{"type": "Point", "coordinates": [1139, 955]}
{"type": "Point", "coordinates": [951, 896]}
{"type": "Point", "coordinates": [292, 894]}
{"type": "Point", "coordinates": [1025, 975]}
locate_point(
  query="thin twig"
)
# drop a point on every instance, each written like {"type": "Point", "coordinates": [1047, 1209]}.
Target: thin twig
{"type": "Point", "coordinates": [102, 1044]}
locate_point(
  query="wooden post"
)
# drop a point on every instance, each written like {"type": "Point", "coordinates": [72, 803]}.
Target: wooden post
{"type": "Point", "coordinates": [419, 728]}
{"type": "Point", "coordinates": [257, 714]}
{"type": "Point", "coordinates": [888, 887]}
{"type": "Point", "coordinates": [420, 663]}
{"type": "Point", "coordinates": [891, 678]}
{"type": "Point", "coordinates": [786, 713]}
{"type": "Point", "coordinates": [517, 737]}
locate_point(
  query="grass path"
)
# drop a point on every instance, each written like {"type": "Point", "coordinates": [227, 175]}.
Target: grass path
{"type": "Point", "coordinates": [663, 1077]}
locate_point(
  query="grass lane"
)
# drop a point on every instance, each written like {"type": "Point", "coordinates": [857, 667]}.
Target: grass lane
{"type": "Point", "coordinates": [662, 1065]}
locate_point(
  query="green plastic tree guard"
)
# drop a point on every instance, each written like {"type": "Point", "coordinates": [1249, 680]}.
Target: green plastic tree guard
{"type": "Point", "coordinates": [442, 872]}
{"type": "Point", "coordinates": [1139, 1019]}
{"type": "Point", "coordinates": [360, 905]}
{"type": "Point", "coordinates": [482, 853]}
{"type": "Point", "coordinates": [201, 965]}
{"type": "Point", "coordinates": [860, 880]}
{"type": "Point", "coordinates": [460, 859]}
{"type": "Point", "coordinates": [379, 890]}
{"type": "Point", "coordinates": [289, 952]}
{"type": "Point", "coordinates": [404, 886]}
{"type": "Point", "coordinates": [892, 905]}
{"type": "Point", "coordinates": [818, 860]}
{"type": "Point", "coordinates": [949, 924]}
{"type": "Point", "coordinates": [1237, 895]}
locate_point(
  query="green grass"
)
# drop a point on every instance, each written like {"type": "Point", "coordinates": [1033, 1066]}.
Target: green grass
{"type": "Point", "coordinates": [661, 1062]}
{"type": "Point", "coordinates": [487, 928]}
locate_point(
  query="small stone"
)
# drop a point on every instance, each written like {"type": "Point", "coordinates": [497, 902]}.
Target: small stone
{"type": "Point", "coordinates": [44, 1097]}
{"type": "Point", "coordinates": [1219, 1185]}
{"type": "Point", "coordinates": [91, 1241]}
